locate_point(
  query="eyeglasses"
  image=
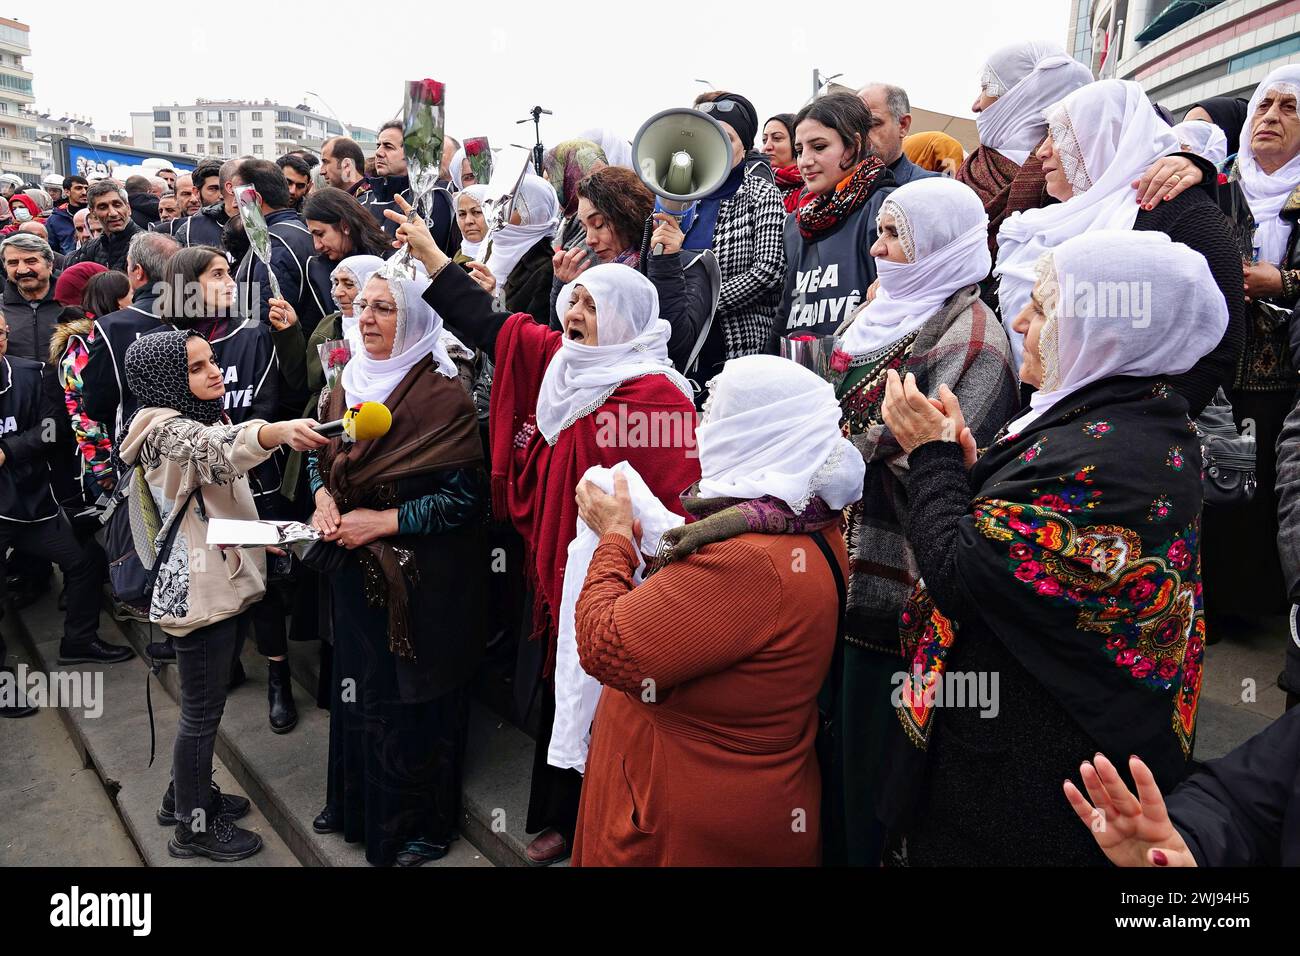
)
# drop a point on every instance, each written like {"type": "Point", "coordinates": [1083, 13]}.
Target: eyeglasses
{"type": "Point", "coordinates": [4, 334]}
{"type": "Point", "coordinates": [718, 106]}
{"type": "Point", "coordinates": [381, 309]}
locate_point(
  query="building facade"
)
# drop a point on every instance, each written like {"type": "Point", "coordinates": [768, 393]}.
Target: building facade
{"type": "Point", "coordinates": [225, 128]}
{"type": "Point", "coordinates": [1185, 50]}
{"type": "Point", "coordinates": [18, 144]}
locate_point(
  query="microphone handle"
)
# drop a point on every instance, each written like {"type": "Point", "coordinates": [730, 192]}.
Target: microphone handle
{"type": "Point", "coordinates": [329, 429]}
{"type": "Point", "coordinates": [659, 248]}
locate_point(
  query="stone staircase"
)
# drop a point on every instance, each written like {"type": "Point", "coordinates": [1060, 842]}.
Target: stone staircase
{"type": "Point", "coordinates": [283, 775]}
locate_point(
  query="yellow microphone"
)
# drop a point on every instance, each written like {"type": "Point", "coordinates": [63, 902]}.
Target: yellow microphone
{"type": "Point", "coordinates": [362, 422]}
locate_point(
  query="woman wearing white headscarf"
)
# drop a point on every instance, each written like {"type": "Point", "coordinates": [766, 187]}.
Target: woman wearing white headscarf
{"type": "Point", "coordinates": [596, 392]}
{"type": "Point", "coordinates": [519, 253]}
{"type": "Point", "coordinates": [1267, 171]}
{"type": "Point", "coordinates": [401, 520]}
{"type": "Point", "coordinates": [926, 320]}
{"type": "Point", "coordinates": [733, 635]}
{"type": "Point", "coordinates": [1061, 575]}
{"type": "Point", "coordinates": [1100, 139]}
{"type": "Point", "coordinates": [1017, 84]}
{"type": "Point", "coordinates": [618, 151]}
{"type": "Point", "coordinates": [1203, 138]}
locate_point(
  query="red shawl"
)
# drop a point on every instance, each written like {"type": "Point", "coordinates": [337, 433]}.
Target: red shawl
{"type": "Point", "coordinates": [1004, 187]}
{"type": "Point", "coordinates": [534, 483]}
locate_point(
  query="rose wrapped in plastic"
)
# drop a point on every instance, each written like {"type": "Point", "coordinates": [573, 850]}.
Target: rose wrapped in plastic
{"type": "Point", "coordinates": [258, 232]}
{"type": "Point", "coordinates": [479, 155]}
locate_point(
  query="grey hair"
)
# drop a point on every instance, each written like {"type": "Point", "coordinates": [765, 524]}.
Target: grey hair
{"type": "Point", "coordinates": [228, 169]}
{"type": "Point", "coordinates": [896, 100]}
{"type": "Point", "coordinates": [150, 251]}
{"type": "Point", "coordinates": [159, 181]}
{"type": "Point", "coordinates": [29, 242]}
{"type": "Point", "coordinates": [103, 188]}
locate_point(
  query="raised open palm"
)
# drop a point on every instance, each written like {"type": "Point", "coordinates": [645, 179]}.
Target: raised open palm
{"type": "Point", "coordinates": [1134, 831]}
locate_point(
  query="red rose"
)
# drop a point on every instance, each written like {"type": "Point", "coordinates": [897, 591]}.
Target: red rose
{"type": "Point", "coordinates": [433, 91]}
{"type": "Point", "coordinates": [1178, 555]}
{"type": "Point", "coordinates": [1141, 591]}
{"type": "Point", "coordinates": [1049, 586]}
{"type": "Point", "coordinates": [1126, 657]}
{"type": "Point", "coordinates": [1021, 552]}
{"type": "Point", "coordinates": [1167, 670]}
{"type": "Point", "coordinates": [1116, 642]}
{"type": "Point", "coordinates": [802, 338]}
{"type": "Point", "coordinates": [473, 147]}
{"type": "Point", "coordinates": [840, 361]}
{"type": "Point", "coordinates": [339, 356]}
{"type": "Point", "coordinates": [1054, 502]}
{"type": "Point", "coordinates": [1142, 668]}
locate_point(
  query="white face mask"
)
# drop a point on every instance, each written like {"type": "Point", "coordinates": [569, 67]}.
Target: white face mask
{"type": "Point", "coordinates": [23, 214]}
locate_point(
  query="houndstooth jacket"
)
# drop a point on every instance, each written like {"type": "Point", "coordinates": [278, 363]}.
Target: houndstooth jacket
{"type": "Point", "coordinates": [751, 255]}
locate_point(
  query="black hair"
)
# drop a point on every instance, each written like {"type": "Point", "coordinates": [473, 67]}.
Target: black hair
{"type": "Point", "coordinates": [848, 116]}
{"type": "Point", "coordinates": [104, 291]}
{"type": "Point", "coordinates": [69, 181]}
{"type": "Point", "coordinates": [335, 207]}
{"type": "Point", "coordinates": [296, 163]}
{"type": "Point", "coordinates": [205, 171]}
{"type": "Point", "coordinates": [391, 124]}
{"type": "Point", "coordinates": [345, 148]}
{"type": "Point", "coordinates": [266, 177]}
{"type": "Point", "coordinates": [786, 120]}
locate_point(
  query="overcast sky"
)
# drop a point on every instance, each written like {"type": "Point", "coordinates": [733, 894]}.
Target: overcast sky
{"type": "Point", "coordinates": [591, 63]}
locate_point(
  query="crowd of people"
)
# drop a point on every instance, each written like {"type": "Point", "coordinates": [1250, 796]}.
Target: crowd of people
{"type": "Point", "coordinates": [894, 604]}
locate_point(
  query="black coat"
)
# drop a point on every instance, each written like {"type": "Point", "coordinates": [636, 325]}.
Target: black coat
{"type": "Point", "coordinates": [442, 221]}
{"type": "Point", "coordinates": [144, 209]}
{"type": "Point", "coordinates": [30, 323]}
{"type": "Point", "coordinates": [103, 380]}
{"type": "Point", "coordinates": [29, 399]}
{"type": "Point", "coordinates": [1244, 809]}
{"type": "Point", "coordinates": [291, 247]}
{"type": "Point", "coordinates": [528, 287]}
{"type": "Point", "coordinates": [109, 250]}
{"type": "Point", "coordinates": [201, 229]}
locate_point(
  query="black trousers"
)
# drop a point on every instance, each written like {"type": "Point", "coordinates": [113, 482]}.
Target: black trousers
{"type": "Point", "coordinates": [203, 660]}
{"type": "Point", "coordinates": [82, 566]}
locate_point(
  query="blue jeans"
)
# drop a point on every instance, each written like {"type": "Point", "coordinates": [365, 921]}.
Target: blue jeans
{"type": "Point", "coordinates": [203, 661]}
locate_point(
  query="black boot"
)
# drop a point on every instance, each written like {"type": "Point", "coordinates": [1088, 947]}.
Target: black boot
{"type": "Point", "coordinates": [15, 709]}
{"type": "Point", "coordinates": [219, 840]}
{"type": "Point", "coordinates": [328, 820]}
{"type": "Point", "coordinates": [279, 692]}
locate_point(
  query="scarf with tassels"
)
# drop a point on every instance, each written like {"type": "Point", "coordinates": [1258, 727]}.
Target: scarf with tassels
{"type": "Point", "coordinates": [824, 213]}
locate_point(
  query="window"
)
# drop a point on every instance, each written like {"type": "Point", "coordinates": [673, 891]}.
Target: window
{"type": "Point", "coordinates": [6, 155]}
{"type": "Point", "coordinates": [4, 107]}
{"type": "Point", "coordinates": [162, 132]}
{"type": "Point", "coordinates": [180, 117]}
{"type": "Point", "coordinates": [184, 149]}
{"type": "Point", "coordinates": [257, 134]}
{"type": "Point", "coordinates": [257, 150]}
{"type": "Point", "coordinates": [232, 134]}
{"type": "Point", "coordinates": [257, 116]}
{"type": "Point", "coordinates": [230, 117]}
{"type": "Point", "coordinates": [165, 147]}
{"type": "Point", "coordinates": [214, 132]}
{"type": "Point", "coordinates": [162, 116]}
{"type": "Point", "coordinates": [217, 149]}
{"type": "Point", "coordinates": [1265, 53]}
{"type": "Point", "coordinates": [214, 116]}
{"type": "Point", "coordinates": [16, 83]}
{"type": "Point", "coordinates": [180, 134]}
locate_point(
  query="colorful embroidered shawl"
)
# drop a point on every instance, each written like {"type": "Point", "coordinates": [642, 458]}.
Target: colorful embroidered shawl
{"type": "Point", "coordinates": [1084, 547]}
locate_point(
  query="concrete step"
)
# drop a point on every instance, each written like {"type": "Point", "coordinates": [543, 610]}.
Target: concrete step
{"type": "Point", "coordinates": [498, 768]}
{"type": "Point", "coordinates": [116, 742]}
{"type": "Point", "coordinates": [284, 774]}
{"type": "Point", "coordinates": [56, 810]}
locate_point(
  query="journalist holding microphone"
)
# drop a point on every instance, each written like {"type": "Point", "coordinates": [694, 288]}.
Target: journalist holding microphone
{"type": "Point", "coordinates": [196, 464]}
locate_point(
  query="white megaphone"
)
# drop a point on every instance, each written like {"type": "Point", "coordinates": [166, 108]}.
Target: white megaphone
{"type": "Point", "coordinates": [682, 155]}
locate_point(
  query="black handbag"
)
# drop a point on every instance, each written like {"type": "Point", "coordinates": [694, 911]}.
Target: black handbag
{"type": "Point", "coordinates": [132, 583]}
{"type": "Point", "coordinates": [1229, 455]}
{"type": "Point", "coordinates": [325, 557]}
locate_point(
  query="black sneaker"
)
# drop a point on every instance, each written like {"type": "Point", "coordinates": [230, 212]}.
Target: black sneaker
{"type": "Point", "coordinates": [96, 652]}
{"type": "Point", "coordinates": [221, 842]}
{"type": "Point", "coordinates": [161, 652]}
{"type": "Point", "coordinates": [230, 806]}
{"type": "Point", "coordinates": [419, 852]}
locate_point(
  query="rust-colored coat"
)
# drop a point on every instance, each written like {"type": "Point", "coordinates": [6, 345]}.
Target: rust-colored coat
{"type": "Point", "coordinates": [702, 746]}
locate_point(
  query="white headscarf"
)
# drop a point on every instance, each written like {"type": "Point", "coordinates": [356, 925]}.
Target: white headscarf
{"type": "Point", "coordinates": [361, 268]}
{"type": "Point", "coordinates": [1120, 302]}
{"type": "Point", "coordinates": [457, 171]}
{"type": "Point", "coordinates": [479, 193]}
{"type": "Point", "coordinates": [1106, 134]}
{"type": "Point", "coordinates": [772, 427]}
{"type": "Point", "coordinates": [618, 151]}
{"type": "Point", "coordinates": [1264, 192]}
{"type": "Point", "coordinates": [539, 211]}
{"type": "Point", "coordinates": [1026, 78]}
{"type": "Point", "coordinates": [1203, 138]}
{"type": "Point", "coordinates": [633, 342]}
{"type": "Point", "coordinates": [419, 334]}
{"type": "Point", "coordinates": [944, 231]}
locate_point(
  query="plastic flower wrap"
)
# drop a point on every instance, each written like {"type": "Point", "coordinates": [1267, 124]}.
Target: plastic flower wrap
{"type": "Point", "coordinates": [479, 155]}
{"type": "Point", "coordinates": [423, 131]}
{"type": "Point", "coordinates": [334, 354]}
{"type": "Point", "coordinates": [258, 232]}
{"type": "Point", "coordinates": [500, 204]}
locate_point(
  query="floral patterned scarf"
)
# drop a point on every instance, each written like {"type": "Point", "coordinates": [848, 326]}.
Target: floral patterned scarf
{"type": "Point", "coordinates": [824, 213]}
{"type": "Point", "coordinates": [1084, 542]}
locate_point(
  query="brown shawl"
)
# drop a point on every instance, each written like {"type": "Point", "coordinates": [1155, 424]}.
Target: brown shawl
{"type": "Point", "coordinates": [1004, 187]}
{"type": "Point", "coordinates": [434, 429]}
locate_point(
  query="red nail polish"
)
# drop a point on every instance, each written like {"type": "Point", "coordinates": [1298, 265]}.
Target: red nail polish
{"type": "Point", "coordinates": [1158, 858]}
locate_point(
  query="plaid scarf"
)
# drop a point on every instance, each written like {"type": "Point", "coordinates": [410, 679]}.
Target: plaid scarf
{"type": "Point", "coordinates": [824, 213]}
{"type": "Point", "coordinates": [1004, 187]}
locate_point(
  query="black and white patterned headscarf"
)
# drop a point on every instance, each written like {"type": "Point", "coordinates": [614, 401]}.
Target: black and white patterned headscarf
{"type": "Point", "coordinates": [158, 373]}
